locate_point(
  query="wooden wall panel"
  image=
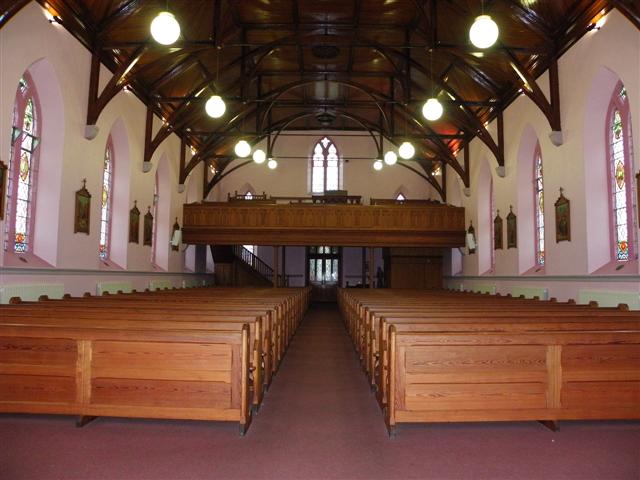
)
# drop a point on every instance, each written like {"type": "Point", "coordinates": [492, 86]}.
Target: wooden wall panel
{"type": "Point", "coordinates": [339, 225]}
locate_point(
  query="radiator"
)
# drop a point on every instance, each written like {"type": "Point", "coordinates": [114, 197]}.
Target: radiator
{"type": "Point", "coordinates": [31, 292]}
{"type": "Point", "coordinates": [113, 287]}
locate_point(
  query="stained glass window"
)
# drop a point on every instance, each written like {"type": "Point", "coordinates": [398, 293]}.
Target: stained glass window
{"type": "Point", "coordinates": [492, 215]}
{"type": "Point", "coordinates": [23, 169]}
{"type": "Point", "coordinates": [154, 228]}
{"type": "Point", "coordinates": [619, 174]}
{"type": "Point", "coordinates": [325, 167]}
{"type": "Point", "coordinates": [538, 194]}
{"type": "Point", "coordinates": [105, 205]}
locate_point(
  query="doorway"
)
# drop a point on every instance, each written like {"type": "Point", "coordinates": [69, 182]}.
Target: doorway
{"type": "Point", "coordinates": [324, 273]}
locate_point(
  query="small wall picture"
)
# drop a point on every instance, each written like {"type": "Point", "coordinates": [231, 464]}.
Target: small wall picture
{"type": "Point", "coordinates": [497, 232]}
{"type": "Point", "coordinates": [563, 218]}
{"type": "Point", "coordinates": [512, 229]}
{"type": "Point", "coordinates": [134, 223]}
{"type": "Point", "coordinates": [3, 188]}
{"type": "Point", "coordinates": [81, 220]}
{"type": "Point", "coordinates": [147, 230]}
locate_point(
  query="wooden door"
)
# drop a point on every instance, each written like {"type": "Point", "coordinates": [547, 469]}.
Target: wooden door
{"type": "Point", "coordinates": [323, 272]}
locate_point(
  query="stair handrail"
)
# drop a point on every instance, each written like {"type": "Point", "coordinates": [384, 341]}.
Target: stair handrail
{"type": "Point", "coordinates": [253, 261]}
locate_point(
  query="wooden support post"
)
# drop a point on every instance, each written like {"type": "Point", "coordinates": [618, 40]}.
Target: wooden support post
{"type": "Point", "coordinates": [364, 266]}
{"type": "Point", "coordinates": [284, 267]}
{"type": "Point", "coordinates": [372, 266]}
{"type": "Point", "coordinates": [276, 266]}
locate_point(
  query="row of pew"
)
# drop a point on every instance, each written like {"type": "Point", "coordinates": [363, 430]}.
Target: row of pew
{"type": "Point", "coordinates": [446, 356]}
{"type": "Point", "coordinates": [200, 353]}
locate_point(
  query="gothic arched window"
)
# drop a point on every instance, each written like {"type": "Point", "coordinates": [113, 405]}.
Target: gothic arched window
{"type": "Point", "coordinates": [620, 175]}
{"type": "Point", "coordinates": [106, 201]}
{"type": "Point", "coordinates": [23, 168]}
{"type": "Point", "coordinates": [538, 204]}
{"type": "Point", "coordinates": [325, 168]}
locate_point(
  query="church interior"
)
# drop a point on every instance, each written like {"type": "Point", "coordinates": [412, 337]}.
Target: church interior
{"type": "Point", "coordinates": [324, 239]}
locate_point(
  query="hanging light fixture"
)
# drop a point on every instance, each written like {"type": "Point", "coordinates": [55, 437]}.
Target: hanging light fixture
{"type": "Point", "coordinates": [406, 150]}
{"type": "Point", "coordinates": [484, 32]}
{"type": "Point", "coordinates": [272, 164]}
{"type": "Point", "coordinates": [432, 109]}
{"type": "Point", "coordinates": [242, 149]}
{"type": "Point", "coordinates": [390, 158]}
{"type": "Point", "coordinates": [165, 29]}
{"type": "Point", "coordinates": [377, 165]}
{"type": "Point", "coordinates": [215, 106]}
{"type": "Point", "coordinates": [259, 156]}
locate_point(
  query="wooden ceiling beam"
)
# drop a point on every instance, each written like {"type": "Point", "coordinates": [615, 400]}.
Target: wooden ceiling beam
{"type": "Point", "coordinates": [124, 11]}
{"type": "Point", "coordinates": [97, 102]}
{"type": "Point", "coordinates": [630, 9]}
{"type": "Point", "coordinates": [8, 8]}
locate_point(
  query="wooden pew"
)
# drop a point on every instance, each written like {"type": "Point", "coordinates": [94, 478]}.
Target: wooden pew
{"type": "Point", "coordinates": [89, 372]}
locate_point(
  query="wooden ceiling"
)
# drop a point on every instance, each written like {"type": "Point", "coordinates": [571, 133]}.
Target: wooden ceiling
{"type": "Point", "coordinates": [338, 64]}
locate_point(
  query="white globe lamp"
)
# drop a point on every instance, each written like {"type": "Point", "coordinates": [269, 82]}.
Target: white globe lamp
{"type": "Point", "coordinates": [259, 156]}
{"type": "Point", "coordinates": [242, 149]}
{"type": "Point", "coordinates": [215, 106]}
{"type": "Point", "coordinates": [377, 165]}
{"type": "Point", "coordinates": [390, 158]}
{"type": "Point", "coordinates": [165, 29]}
{"type": "Point", "coordinates": [432, 109]}
{"type": "Point", "coordinates": [406, 150]}
{"type": "Point", "coordinates": [272, 164]}
{"type": "Point", "coordinates": [484, 32]}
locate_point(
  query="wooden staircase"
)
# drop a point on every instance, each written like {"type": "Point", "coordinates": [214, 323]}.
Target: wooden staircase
{"type": "Point", "coordinates": [237, 266]}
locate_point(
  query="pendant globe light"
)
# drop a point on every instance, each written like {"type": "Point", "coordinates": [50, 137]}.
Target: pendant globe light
{"type": "Point", "coordinates": [432, 109]}
{"type": "Point", "coordinates": [272, 164]}
{"type": "Point", "coordinates": [242, 149]}
{"type": "Point", "coordinates": [484, 32]}
{"type": "Point", "coordinates": [259, 156]}
{"type": "Point", "coordinates": [390, 158]}
{"type": "Point", "coordinates": [215, 106]}
{"type": "Point", "coordinates": [377, 165]}
{"type": "Point", "coordinates": [406, 150]}
{"type": "Point", "coordinates": [165, 29]}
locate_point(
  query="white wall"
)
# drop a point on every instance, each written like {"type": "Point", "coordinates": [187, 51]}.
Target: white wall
{"type": "Point", "coordinates": [29, 40]}
{"type": "Point", "coordinates": [597, 59]}
{"type": "Point", "coordinates": [291, 178]}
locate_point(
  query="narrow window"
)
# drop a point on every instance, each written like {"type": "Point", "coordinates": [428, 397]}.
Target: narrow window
{"type": "Point", "coordinates": [492, 215]}
{"type": "Point", "coordinates": [538, 202]}
{"type": "Point", "coordinates": [23, 169]}
{"type": "Point", "coordinates": [106, 199]}
{"type": "Point", "coordinates": [252, 248]}
{"type": "Point", "coordinates": [154, 234]}
{"type": "Point", "coordinates": [619, 133]}
{"type": "Point", "coordinates": [325, 167]}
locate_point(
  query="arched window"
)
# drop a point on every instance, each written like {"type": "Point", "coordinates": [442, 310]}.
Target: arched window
{"type": "Point", "coordinates": [105, 212]}
{"type": "Point", "coordinates": [620, 175]}
{"type": "Point", "coordinates": [154, 233]}
{"type": "Point", "coordinates": [492, 215]}
{"type": "Point", "coordinates": [538, 205]}
{"type": "Point", "coordinates": [23, 168]}
{"type": "Point", "coordinates": [252, 248]}
{"type": "Point", "coordinates": [325, 168]}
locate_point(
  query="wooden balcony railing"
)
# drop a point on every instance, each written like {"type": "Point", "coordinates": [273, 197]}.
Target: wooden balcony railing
{"type": "Point", "coordinates": [403, 225]}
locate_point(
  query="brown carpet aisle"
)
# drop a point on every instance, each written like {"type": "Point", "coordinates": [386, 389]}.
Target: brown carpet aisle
{"type": "Point", "coordinates": [319, 421]}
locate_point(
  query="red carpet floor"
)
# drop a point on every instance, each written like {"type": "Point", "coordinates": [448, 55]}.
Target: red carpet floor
{"type": "Point", "coordinates": [319, 421]}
